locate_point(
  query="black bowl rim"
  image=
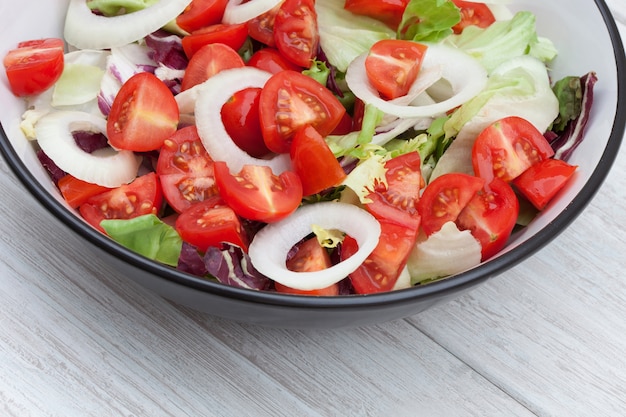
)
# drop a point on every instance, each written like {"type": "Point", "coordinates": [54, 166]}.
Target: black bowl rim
{"type": "Point", "coordinates": [414, 294]}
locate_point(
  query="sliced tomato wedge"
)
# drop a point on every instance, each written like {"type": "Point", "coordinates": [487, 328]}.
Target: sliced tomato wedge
{"type": "Point", "coordinates": [201, 13]}
{"type": "Point", "coordinates": [508, 147]}
{"type": "Point", "coordinates": [261, 28]}
{"type": "Point", "coordinates": [380, 271]}
{"type": "Point", "coordinates": [144, 113]}
{"type": "Point", "coordinates": [314, 162]}
{"type": "Point", "coordinates": [445, 197]}
{"type": "Point", "coordinates": [295, 31]}
{"type": "Point", "coordinates": [208, 61]}
{"type": "Point", "coordinates": [289, 101]}
{"type": "Point", "coordinates": [387, 11]}
{"type": "Point", "coordinates": [270, 60]}
{"type": "Point", "coordinates": [392, 66]}
{"type": "Point", "coordinates": [211, 223]}
{"type": "Point", "coordinates": [234, 35]}
{"type": "Point", "coordinates": [34, 66]}
{"type": "Point", "coordinates": [186, 170]}
{"type": "Point", "coordinates": [308, 256]}
{"type": "Point", "coordinates": [542, 181]}
{"type": "Point", "coordinates": [397, 201]}
{"type": "Point", "coordinates": [473, 14]}
{"type": "Point", "coordinates": [76, 192]}
{"type": "Point", "coordinates": [490, 216]}
{"type": "Point", "coordinates": [240, 115]}
{"type": "Point", "coordinates": [142, 196]}
{"type": "Point", "coordinates": [256, 193]}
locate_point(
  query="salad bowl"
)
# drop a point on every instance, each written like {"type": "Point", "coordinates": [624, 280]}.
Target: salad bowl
{"type": "Point", "coordinates": [579, 51]}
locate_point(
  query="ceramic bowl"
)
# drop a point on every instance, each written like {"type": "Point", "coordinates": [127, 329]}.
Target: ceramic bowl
{"type": "Point", "coordinates": [580, 51]}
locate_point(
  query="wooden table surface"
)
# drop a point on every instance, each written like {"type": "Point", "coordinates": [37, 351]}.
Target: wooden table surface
{"type": "Point", "coordinates": [78, 339]}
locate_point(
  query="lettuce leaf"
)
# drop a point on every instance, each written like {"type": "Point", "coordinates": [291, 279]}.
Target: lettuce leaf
{"type": "Point", "coordinates": [115, 7]}
{"type": "Point", "coordinates": [428, 20]}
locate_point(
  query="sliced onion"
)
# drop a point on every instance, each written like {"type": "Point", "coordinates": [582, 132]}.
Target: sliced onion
{"type": "Point", "coordinates": [86, 30]}
{"type": "Point", "coordinates": [106, 167]}
{"type": "Point", "coordinates": [466, 76]}
{"type": "Point", "coordinates": [270, 246]}
{"type": "Point", "coordinates": [210, 97]}
{"type": "Point", "coordinates": [238, 12]}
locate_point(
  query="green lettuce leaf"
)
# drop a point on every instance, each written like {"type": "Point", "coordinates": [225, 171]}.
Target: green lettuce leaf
{"type": "Point", "coordinates": [148, 236]}
{"type": "Point", "coordinates": [115, 7]}
{"type": "Point", "coordinates": [428, 20]}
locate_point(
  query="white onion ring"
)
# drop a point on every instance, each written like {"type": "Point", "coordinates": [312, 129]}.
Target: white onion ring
{"type": "Point", "coordinates": [270, 246]}
{"type": "Point", "coordinates": [106, 167]}
{"type": "Point", "coordinates": [211, 96]}
{"type": "Point", "coordinates": [465, 74]}
{"type": "Point", "coordinates": [236, 12]}
{"type": "Point", "coordinates": [86, 30]}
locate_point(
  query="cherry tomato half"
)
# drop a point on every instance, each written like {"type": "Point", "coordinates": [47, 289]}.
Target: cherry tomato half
{"type": "Point", "coordinates": [75, 192]}
{"type": "Point", "coordinates": [270, 60]}
{"type": "Point", "coordinates": [232, 35]}
{"type": "Point", "coordinates": [387, 11]}
{"type": "Point", "coordinates": [295, 31]}
{"type": "Point", "coordinates": [208, 61]}
{"type": "Point", "coordinates": [201, 13]}
{"type": "Point", "coordinates": [473, 14]}
{"type": "Point", "coordinates": [542, 181]}
{"type": "Point", "coordinates": [34, 66]}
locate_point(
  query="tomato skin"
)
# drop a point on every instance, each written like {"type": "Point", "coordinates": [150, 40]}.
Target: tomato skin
{"type": "Point", "coordinates": [473, 14]}
{"type": "Point", "coordinates": [240, 115]}
{"type": "Point", "coordinates": [397, 201]}
{"type": "Point", "coordinates": [295, 31]}
{"type": "Point", "coordinates": [508, 147]}
{"type": "Point", "coordinates": [75, 192]}
{"type": "Point", "coordinates": [232, 35]}
{"type": "Point", "coordinates": [314, 162]}
{"type": "Point", "coordinates": [209, 224]}
{"type": "Point", "coordinates": [289, 101]}
{"type": "Point", "coordinates": [144, 113]}
{"type": "Point", "coordinates": [185, 170]}
{"type": "Point", "coordinates": [208, 61]}
{"type": "Point", "coordinates": [380, 271]}
{"type": "Point", "coordinates": [34, 66]}
{"type": "Point", "coordinates": [256, 193]}
{"type": "Point", "coordinates": [444, 198]}
{"type": "Point", "coordinates": [201, 13]}
{"type": "Point", "coordinates": [142, 196]}
{"type": "Point", "coordinates": [309, 256]}
{"type": "Point", "coordinates": [387, 11]}
{"type": "Point", "coordinates": [270, 60]}
{"type": "Point", "coordinates": [543, 180]}
{"type": "Point", "coordinates": [392, 65]}
{"type": "Point", "coordinates": [261, 28]}
{"type": "Point", "coordinates": [490, 216]}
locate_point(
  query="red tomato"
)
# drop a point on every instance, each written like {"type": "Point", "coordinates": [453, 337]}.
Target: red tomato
{"type": "Point", "coordinates": [397, 201]}
{"type": "Point", "coordinates": [314, 162]}
{"type": "Point", "coordinates": [270, 60]}
{"type": "Point", "coordinates": [209, 224]}
{"type": "Point", "coordinates": [232, 35]}
{"type": "Point", "coordinates": [76, 192]}
{"type": "Point", "coordinates": [240, 115]}
{"type": "Point", "coordinates": [310, 256]}
{"type": "Point", "coordinates": [542, 181]}
{"type": "Point", "coordinates": [473, 14]}
{"type": "Point", "coordinates": [507, 148]}
{"type": "Point", "coordinates": [387, 11]}
{"type": "Point", "coordinates": [392, 66]}
{"type": "Point", "coordinates": [261, 28]}
{"type": "Point", "coordinates": [144, 113]}
{"type": "Point", "coordinates": [142, 196]}
{"type": "Point", "coordinates": [380, 271]}
{"type": "Point", "coordinates": [490, 216]}
{"type": "Point", "coordinates": [290, 101]}
{"type": "Point", "coordinates": [445, 197]}
{"type": "Point", "coordinates": [256, 193]}
{"type": "Point", "coordinates": [201, 13]}
{"type": "Point", "coordinates": [185, 170]}
{"type": "Point", "coordinates": [34, 66]}
{"type": "Point", "coordinates": [208, 61]}
{"type": "Point", "coordinates": [295, 31]}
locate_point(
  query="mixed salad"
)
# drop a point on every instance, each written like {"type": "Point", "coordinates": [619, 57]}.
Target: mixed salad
{"type": "Point", "coordinates": [315, 147]}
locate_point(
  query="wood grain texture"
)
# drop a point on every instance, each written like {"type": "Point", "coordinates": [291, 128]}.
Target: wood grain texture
{"type": "Point", "coordinates": [545, 339]}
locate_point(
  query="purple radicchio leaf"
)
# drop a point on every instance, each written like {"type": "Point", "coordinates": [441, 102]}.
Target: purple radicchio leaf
{"type": "Point", "coordinates": [565, 143]}
{"type": "Point", "coordinates": [191, 261]}
{"type": "Point", "coordinates": [90, 141]}
{"type": "Point", "coordinates": [53, 170]}
{"type": "Point", "coordinates": [233, 267]}
{"type": "Point", "coordinates": [167, 49]}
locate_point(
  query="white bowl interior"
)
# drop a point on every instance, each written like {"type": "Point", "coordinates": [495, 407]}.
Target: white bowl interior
{"type": "Point", "coordinates": [18, 24]}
